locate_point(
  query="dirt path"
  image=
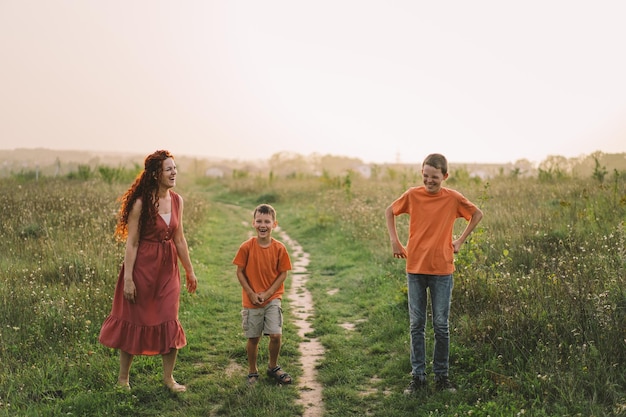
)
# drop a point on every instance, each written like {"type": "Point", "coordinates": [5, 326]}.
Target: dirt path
{"type": "Point", "coordinates": [311, 349]}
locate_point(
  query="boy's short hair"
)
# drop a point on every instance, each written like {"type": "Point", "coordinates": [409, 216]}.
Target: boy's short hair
{"type": "Point", "coordinates": [265, 209]}
{"type": "Point", "coordinates": [437, 161]}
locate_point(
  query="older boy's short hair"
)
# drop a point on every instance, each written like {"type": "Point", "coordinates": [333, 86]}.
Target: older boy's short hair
{"type": "Point", "coordinates": [437, 161]}
{"type": "Point", "coordinates": [265, 209]}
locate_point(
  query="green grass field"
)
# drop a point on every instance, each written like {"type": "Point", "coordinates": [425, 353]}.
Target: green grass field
{"type": "Point", "coordinates": [538, 317]}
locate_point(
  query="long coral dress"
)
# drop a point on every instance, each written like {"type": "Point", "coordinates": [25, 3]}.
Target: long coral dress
{"type": "Point", "coordinates": [149, 326]}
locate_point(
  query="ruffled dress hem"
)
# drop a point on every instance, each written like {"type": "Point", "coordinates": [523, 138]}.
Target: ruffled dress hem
{"type": "Point", "coordinates": [136, 339]}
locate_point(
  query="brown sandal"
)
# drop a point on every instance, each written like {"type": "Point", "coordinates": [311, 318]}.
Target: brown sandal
{"type": "Point", "coordinates": [283, 378]}
{"type": "Point", "coordinates": [253, 378]}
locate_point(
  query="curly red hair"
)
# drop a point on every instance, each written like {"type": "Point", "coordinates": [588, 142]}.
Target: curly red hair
{"type": "Point", "coordinates": [144, 187]}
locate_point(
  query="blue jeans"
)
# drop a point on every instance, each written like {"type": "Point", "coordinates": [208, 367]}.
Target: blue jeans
{"type": "Point", "coordinates": [440, 287]}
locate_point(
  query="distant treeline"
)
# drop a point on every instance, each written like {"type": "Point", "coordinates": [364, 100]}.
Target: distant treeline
{"type": "Point", "coordinates": [114, 167]}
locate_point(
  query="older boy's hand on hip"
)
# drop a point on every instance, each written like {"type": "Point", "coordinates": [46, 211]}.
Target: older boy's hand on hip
{"type": "Point", "coordinates": [398, 250]}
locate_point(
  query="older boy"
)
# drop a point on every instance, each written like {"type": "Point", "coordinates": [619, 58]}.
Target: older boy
{"type": "Point", "coordinates": [429, 255]}
{"type": "Point", "coordinates": [262, 265]}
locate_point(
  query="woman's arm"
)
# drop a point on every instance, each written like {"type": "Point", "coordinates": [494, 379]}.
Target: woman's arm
{"type": "Point", "coordinates": [130, 255]}
{"type": "Point", "coordinates": [183, 251]}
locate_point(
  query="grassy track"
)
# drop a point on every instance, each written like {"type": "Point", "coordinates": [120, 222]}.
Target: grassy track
{"type": "Point", "coordinates": [215, 360]}
{"type": "Point", "coordinates": [538, 316]}
{"type": "Point", "coordinates": [56, 376]}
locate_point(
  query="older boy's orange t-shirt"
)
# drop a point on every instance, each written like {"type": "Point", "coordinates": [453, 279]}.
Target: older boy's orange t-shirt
{"type": "Point", "coordinates": [431, 223]}
{"type": "Point", "coordinates": [262, 265]}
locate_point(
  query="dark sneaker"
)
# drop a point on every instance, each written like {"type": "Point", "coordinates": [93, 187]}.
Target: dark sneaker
{"type": "Point", "coordinates": [443, 384]}
{"type": "Point", "coordinates": [416, 384]}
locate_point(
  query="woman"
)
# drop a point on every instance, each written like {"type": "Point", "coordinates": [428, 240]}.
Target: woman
{"type": "Point", "coordinates": [144, 316]}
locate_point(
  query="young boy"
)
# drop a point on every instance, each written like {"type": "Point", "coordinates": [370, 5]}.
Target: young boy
{"type": "Point", "coordinates": [262, 265]}
{"type": "Point", "coordinates": [429, 255]}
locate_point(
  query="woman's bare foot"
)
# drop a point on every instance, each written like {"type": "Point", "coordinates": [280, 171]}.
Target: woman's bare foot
{"type": "Point", "coordinates": [123, 383]}
{"type": "Point", "coordinates": [175, 386]}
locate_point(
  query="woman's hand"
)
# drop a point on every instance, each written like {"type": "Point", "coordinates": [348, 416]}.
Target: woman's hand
{"type": "Point", "coordinates": [130, 291]}
{"type": "Point", "coordinates": [192, 283]}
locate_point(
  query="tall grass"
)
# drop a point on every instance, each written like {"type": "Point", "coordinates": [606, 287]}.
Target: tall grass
{"type": "Point", "coordinates": [539, 305]}
{"type": "Point", "coordinates": [538, 316]}
{"type": "Point", "coordinates": [58, 254]}
{"type": "Point", "coordinates": [57, 282]}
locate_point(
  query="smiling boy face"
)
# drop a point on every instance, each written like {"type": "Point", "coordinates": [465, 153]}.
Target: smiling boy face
{"type": "Point", "coordinates": [433, 178]}
{"type": "Point", "coordinates": [263, 223]}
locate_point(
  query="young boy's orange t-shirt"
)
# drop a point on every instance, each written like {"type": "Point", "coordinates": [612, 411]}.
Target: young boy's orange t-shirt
{"type": "Point", "coordinates": [431, 223]}
{"type": "Point", "coordinates": [262, 265]}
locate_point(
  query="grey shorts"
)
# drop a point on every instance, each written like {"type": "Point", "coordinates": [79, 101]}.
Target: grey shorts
{"type": "Point", "coordinates": [264, 320]}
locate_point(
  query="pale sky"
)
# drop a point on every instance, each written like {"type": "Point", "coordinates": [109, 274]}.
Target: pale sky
{"type": "Point", "coordinates": [383, 81]}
